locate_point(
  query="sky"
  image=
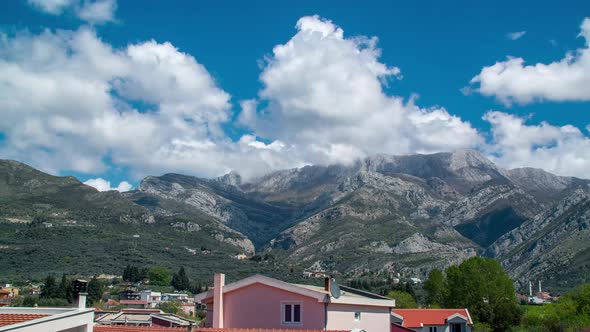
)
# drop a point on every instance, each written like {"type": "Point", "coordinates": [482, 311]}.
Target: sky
{"type": "Point", "coordinates": [111, 91]}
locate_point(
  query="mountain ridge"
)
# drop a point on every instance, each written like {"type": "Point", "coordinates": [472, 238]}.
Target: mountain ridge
{"type": "Point", "coordinates": [383, 213]}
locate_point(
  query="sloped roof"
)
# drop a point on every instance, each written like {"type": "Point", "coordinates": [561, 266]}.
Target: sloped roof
{"type": "Point", "coordinates": [420, 317]}
{"type": "Point", "coordinates": [9, 319]}
{"type": "Point", "coordinates": [348, 295]}
{"type": "Point", "coordinates": [133, 302]}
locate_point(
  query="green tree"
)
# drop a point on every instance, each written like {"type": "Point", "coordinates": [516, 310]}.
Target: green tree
{"type": "Point", "coordinates": [180, 281]}
{"type": "Point", "coordinates": [434, 288]}
{"type": "Point", "coordinates": [403, 300]}
{"type": "Point", "coordinates": [95, 290]}
{"type": "Point", "coordinates": [159, 276]}
{"type": "Point", "coordinates": [65, 289]}
{"type": "Point", "coordinates": [482, 286]}
{"type": "Point", "coordinates": [50, 289]}
{"type": "Point", "coordinates": [30, 300]}
{"type": "Point", "coordinates": [171, 307]}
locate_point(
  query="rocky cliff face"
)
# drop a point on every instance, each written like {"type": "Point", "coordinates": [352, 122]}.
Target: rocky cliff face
{"type": "Point", "coordinates": [554, 245]}
{"type": "Point", "coordinates": [395, 213]}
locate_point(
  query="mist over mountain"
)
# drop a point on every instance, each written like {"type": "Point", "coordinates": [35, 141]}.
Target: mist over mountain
{"type": "Point", "coordinates": [403, 214]}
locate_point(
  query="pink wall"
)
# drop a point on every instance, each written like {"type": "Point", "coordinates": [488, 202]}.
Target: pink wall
{"type": "Point", "coordinates": [259, 306]}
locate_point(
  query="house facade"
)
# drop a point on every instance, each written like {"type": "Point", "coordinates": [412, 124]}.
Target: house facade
{"type": "Point", "coordinates": [262, 302]}
{"type": "Point", "coordinates": [431, 320]}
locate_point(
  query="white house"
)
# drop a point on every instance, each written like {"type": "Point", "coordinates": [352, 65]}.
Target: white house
{"type": "Point", "coordinates": [15, 319]}
{"type": "Point", "coordinates": [431, 320]}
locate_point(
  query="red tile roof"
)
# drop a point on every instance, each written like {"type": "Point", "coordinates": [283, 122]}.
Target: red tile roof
{"type": "Point", "coordinates": [141, 311]}
{"type": "Point", "coordinates": [416, 317]}
{"type": "Point", "coordinates": [120, 328]}
{"type": "Point", "coordinates": [9, 319]}
{"type": "Point", "coordinates": [133, 302]}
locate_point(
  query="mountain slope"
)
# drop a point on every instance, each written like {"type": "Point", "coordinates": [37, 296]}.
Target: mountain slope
{"type": "Point", "coordinates": [403, 214]}
{"type": "Point", "coordinates": [553, 246]}
{"type": "Point", "coordinates": [59, 225]}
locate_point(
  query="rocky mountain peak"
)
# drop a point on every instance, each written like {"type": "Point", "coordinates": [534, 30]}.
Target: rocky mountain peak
{"type": "Point", "coordinates": [466, 158]}
{"type": "Point", "coordinates": [231, 179]}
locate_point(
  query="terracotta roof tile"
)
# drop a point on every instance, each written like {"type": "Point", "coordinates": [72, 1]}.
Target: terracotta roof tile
{"type": "Point", "coordinates": [416, 317]}
{"type": "Point", "coordinates": [9, 319]}
{"type": "Point", "coordinates": [133, 302]}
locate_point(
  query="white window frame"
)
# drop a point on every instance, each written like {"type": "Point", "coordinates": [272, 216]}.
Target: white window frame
{"type": "Point", "coordinates": [292, 303]}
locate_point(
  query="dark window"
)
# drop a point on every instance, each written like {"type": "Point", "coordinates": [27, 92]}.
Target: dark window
{"type": "Point", "coordinates": [297, 313]}
{"type": "Point", "coordinates": [455, 327]}
{"type": "Point", "coordinates": [288, 313]}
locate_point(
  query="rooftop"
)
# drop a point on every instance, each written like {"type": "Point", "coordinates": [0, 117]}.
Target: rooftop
{"type": "Point", "coordinates": [419, 317]}
{"type": "Point", "coordinates": [9, 319]}
{"type": "Point", "coordinates": [347, 295]}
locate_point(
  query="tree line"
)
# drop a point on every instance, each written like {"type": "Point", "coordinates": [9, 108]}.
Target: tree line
{"type": "Point", "coordinates": [160, 276]}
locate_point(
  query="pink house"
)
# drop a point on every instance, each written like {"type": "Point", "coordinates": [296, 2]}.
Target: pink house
{"type": "Point", "coordinates": [262, 302]}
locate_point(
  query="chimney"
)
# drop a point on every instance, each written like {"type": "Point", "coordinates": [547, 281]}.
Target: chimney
{"type": "Point", "coordinates": [327, 284]}
{"type": "Point", "coordinates": [539, 286]}
{"type": "Point", "coordinates": [530, 288]}
{"type": "Point", "coordinates": [82, 301]}
{"type": "Point", "coordinates": [218, 283]}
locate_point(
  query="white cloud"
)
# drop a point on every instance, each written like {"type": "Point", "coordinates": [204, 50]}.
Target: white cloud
{"type": "Point", "coordinates": [91, 11]}
{"type": "Point", "coordinates": [69, 101]}
{"type": "Point", "coordinates": [103, 185]}
{"type": "Point", "coordinates": [97, 12]}
{"type": "Point", "coordinates": [54, 7]}
{"type": "Point", "coordinates": [565, 80]}
{"type": "Point", "coordinates": [561, 150]}
{"type": "Point", "coordinates": [325, 97]}
{"type": "Point", "coordinates": [515, 35]}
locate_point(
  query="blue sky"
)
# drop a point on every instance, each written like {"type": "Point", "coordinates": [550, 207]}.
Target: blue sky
{"type": "Point", "coordinates": [437, 46]}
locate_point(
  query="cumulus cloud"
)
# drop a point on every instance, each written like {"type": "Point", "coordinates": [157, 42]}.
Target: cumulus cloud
{"type": "Point", "coordinates": [325, 97]}
{"type": "Point", "coordinates": [515, 35]}
{"type": "Point", "coordinates": [561, 150]}
{"type": "Point", "coordinates": [69, 101]}
{"type": "Point", "coordinates": [54, 7]}
{"type": "Point", "coordinates": [512, 81]}
{"type": "Point", "coordinates": [97, 12]}
{"type": "Point", "coordinates": [91, 11]}
{"type": "Point", "coordinates": [103, 185]}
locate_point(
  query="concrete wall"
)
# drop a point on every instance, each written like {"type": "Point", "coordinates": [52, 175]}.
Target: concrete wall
{"type": "Point", "coordinates": [373, 319]}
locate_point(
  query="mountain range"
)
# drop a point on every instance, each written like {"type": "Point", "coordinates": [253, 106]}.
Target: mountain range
{"type": "Point", "coordinates": [384, 213]}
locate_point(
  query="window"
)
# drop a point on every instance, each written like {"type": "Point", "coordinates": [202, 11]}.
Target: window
{"type": "Point", "coordinates": [432, 329]}
{"type": "Point", "coordinates": [455, 327]}
{"type": "Point", "coordinates": [292, 313]}
{"type": "Point", "coordinates": [357, 316]}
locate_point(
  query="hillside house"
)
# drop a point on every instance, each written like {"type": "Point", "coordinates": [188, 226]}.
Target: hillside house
{"type": "Point", "coordinates": [4, 298]}
{"type": "Point", "coordinates": [134, 304]}
{"type": "Point", "coordinates": [266, 303]}
{"type": "Point", "coordinates": [152, 298]}
{"type": "Point", "coordinates": [431, 320]}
